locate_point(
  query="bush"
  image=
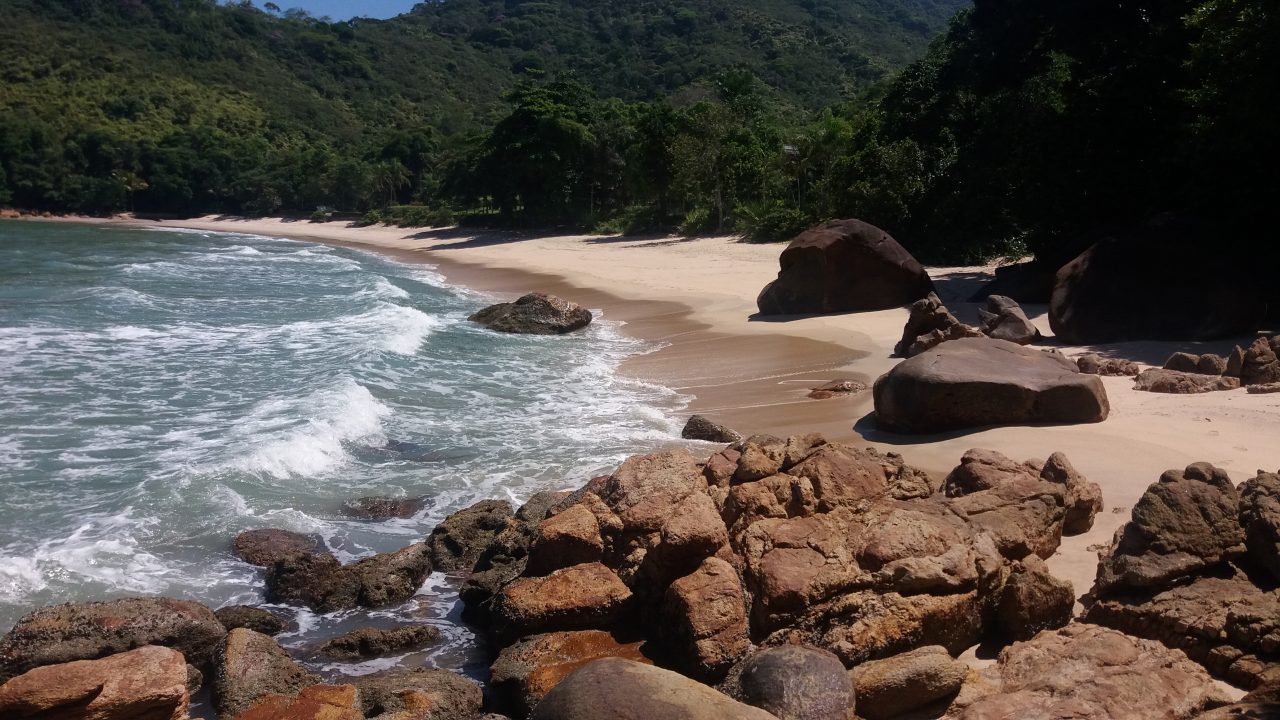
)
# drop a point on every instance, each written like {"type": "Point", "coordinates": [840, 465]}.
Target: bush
{"type": "Point", "coordinates": [696, 221]}
{"type": "Point", "coordinates": [320, 216]}
{"type": "Point", "coordinates": [770, 222]}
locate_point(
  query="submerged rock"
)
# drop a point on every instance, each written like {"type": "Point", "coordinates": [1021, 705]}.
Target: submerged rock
{"type": "Point", "coordinates": [976, 382]}
{"type": "Point", "coordinates": [379, 507]}
{"type": "Point", "coordinates": [372, 642]}
{"type": "Point", "coordinates": [534, 314]}
{"type": "Point", "coordinates": [246, 616]}
{"type": "Point", "coordinates": [321, 583]}
{"type": "Point", "coordinates": [265, 546]}
{"type": "Point", "coordinates": [843, 266]}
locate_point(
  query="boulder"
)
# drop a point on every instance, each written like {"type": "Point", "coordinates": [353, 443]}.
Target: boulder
{"type": "Point", "coordinates": [1004, 319]}
{"type": "Point", "coordinates": [371, 642]}
{"type": "Point", "coordinates": [843, 266]}
{"type": "Point", "coordinates": [644, 488]}
{"type": "Point", "coordinates": [1032, 600]}
{"type": "Point", "coordinates": [616, 689]}
{"type": "Point", "coordinates": [1260, 516]}
{"type": "Point", "coordinates": [1184, 363]}
{"type": "Point", "coordinates": [457, 542]}
{"type": "Point", "coordinates": [381, 507]}
{"type": "Point", "coordinates": [265, 546]}
{"type": "Point", "coordinates": [981, 470]}
{"type": "Point", "coordinates": [929, 325]}
{"type": "Point", "coordinates": [1083, 499]}
{"type": "Point", "coordinates": [700, 427]}
{"type": "Point", "coordinates": [317, 702]}
{"type": "Point", "coordinates": [534, 314]}
{"type": "Point", "coordinates": [147, 683]}
{"type": "Point", "coordinates": [1155, 283]}
{"type": "Point", "coordinates": [836, 388]}
{"type": "Point", "coordinates": [1023, 514]}
{"type": "Point", "coordinates": [250, 666]}
{"type": "Point", "coordinates": [1091, 364]}
{"type": "Point", "coordinates": [565, 539]}
{"type": "Point", "coordinates": [1263, 389]}
{"type": "Point", "coordinates": [1085, 671]}
{"type": "Point", "coordinates": [391, 577]}
{"type": "Point", "coordinates": [705, 620]}
{"type": "Point", "coordinates": [87, 631]}
{"type": "Point", "coordinates": [978, 382]}
{"type": "Point", "coordinates": [1259, 365]}
{"type": "Point", "coordinates": [588, 596]}
{"type": "Point", "coordinates": [321, 583]}
{"type": "Point", "coordinates": [1182, 383]}
{"type": "Point", "coordinates": [419, 693]}
{"type": "Point", "coordinates": [526, 671]}
{"type": "Point", "coordinates": [897, 685]}
{"type": "Point", "coordinates": [1235, 362]}
{"type": "Point", "coordinates": [721, 467]}
{"type": "Point", "coordinates": [793, 683]}
{"type": "Point", "coordinates": [1181, 525]}
{"type": "Point", "coordinates": [1210, 364]}
{"type": "Point", "coordinates": [246, 616]}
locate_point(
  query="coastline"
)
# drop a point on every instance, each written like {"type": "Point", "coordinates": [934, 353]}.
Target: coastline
{"type": "Point", "coordinates": [696, 297]}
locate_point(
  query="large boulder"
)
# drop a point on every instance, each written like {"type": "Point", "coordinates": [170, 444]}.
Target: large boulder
{"type": "Point", "coordinates": [705, 620]}
{"type": "Point", "coordinates": [1032, 600]}
{"type": "Point", "coordinates": [1259, 365]}
{"type": "Point", "coordinates": [534, 314]}
{"type": "Point", "coordinates": [793, 683]}
{"type": "Point", "coordinates": [87, 631]}
{"type": "Point", "coordinates": [457, 542]}
{"type": "Point", "coordinates": [148, 683]}
{"type": "Point", "coordinates": [976, 382]}
{"type": "Point", "coordinates": [1004, 319]}
{"type": "Point", "coordinates": [615, 689]}
{"type": "Point", "coordinates": [701, 427]}
{"type": "Point", "coordinates": [897, 685]}
{"type": "Point", "coordinates": [391, 577]}
{"type": "Point", "coordinates": [526, 671]}
{"type": "Point", "coordinates": [568, 538]}
{"type": "Point", "coordinates": [419, 693]}
{"type": "Point", "coordinates": [1181, 525]}
{"type": "Point", "coordinates": [263, 547]}
{"type": "Point", "coordinates": [321, 583]}
{"type": "Point", "coordinates": [930, 324]}
{"type": "Point", "coordinates": [843, 266]}
{"type": "Point", "coordinates": [1085, 671]}
{"type": "Point", "coordinates": [250, 666]}
{"type": "Point", "coordinates": [587, 596]}
{"type": "Point", "coordinates": [1151, 286]}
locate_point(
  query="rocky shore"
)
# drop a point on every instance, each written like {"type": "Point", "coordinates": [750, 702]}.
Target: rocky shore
{"type": "Point", "coordinates": [774, 578]}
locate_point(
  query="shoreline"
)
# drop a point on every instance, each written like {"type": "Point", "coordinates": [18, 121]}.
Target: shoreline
{"type": "Point", "coordinates": [696, 296]}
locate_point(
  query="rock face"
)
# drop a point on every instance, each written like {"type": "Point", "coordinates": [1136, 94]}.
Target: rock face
{"type": "Point", "coordinates": [457, 542]}
{"type": "Point", "coordinates": [700, 427]}
{"type": "Point", "coordinates": [977, 382]}
{"type": "Point", "coordinates": [1120, 289]}
{"type": "Point", "coordinates": [843, 266]}
{"type": "Point", "coordinates": [614, 689]}
{"type": "Point", "coordinates": [1085, 671]}
{"type": "Point", "coordinates": [1004, 319]}
{"type": "Point", "coordinates": [250, 666]}
{"type": "Point", "coordinates": [793, 683]}
{"type": "Point", "coordinates": [419, 693]}
{"type": "Point", "coordinates": [87, 631]}
{"type": "Point", "coordinates": [265, 546]}
{"type": "Point", "coordinates": [371, 642]}
{"type": "Point", "coordinates": [900, 684]}
{"type": "Point", "coordinates": [534, 314]}
{"type": "Point", "coordinates": [149, 683]}
{"type": "Point", "coordinates": [1183, 383]}
{"type": "Point", "coordinates": [245, 616]}
{"type": "Point", "coordinates": [526, 671]}
{"type": "Point", "coordinates": [1091, 364]}
{"type": "Point", "coordinates": [929, 325]}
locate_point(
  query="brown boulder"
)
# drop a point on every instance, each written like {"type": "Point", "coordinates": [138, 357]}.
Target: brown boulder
{"type": "Point", "coordinates": [391, 577]}
{"type": "Point", "coordinates": [1260, 365]}
{"type": "Point", "coordinates": [1264, 388]}
{"type": "Point", "coordinates": [1181, 525]}
{"type": "Point", "coordinates": [371, 642]}
{"type": "Point", "coordinates": [317, 702]}
{"type": "Point", "coordinates": [1032, 600]}
{"type": "Point", "coordinates": [417, 694]}
{"type": "Point", "coordinates": [705, 620]}
{"type": "Point", "coordinates": [1210, 364]}
{"type": "Point", "coordinates": [1260, 516]}
{"type": "Point", "coordinates": [758, 462]}
{"type": "Point", "coordinates": [700, 427]}
{"type": "Point", "coordinates": [588, 596]}
{"type": "Point", "coordinates": [1084, 497]}
{"type": "Point", "coordinates": [1003, 319]}
{"type": "Point", "coordinates": [250, 666]}
{"type": "Point", "coordinates": [843, 266]}
{"type": "Point", "coordinates": [457, 542]}
{"type": "Point", "coordinates": [1023, 514]}
{"type": "Point", "coordinates": [793, 683]}
{"type": "Point", "coordinates": [87, 631]}
{"type": "Point", "coordinates": [321, 583]}
{"type": "Point", "coordinates": [381, 507]}
{"type": "Point", "coordinates": [568, 538]}
{"type": "Point", "coordinates": [1183, 362]}
{"type": "Point", "coordinates": [148, 683]}
{"type": "Point", "coordinates": [1084, 671]}
{"type": "Point", "coordinates": [265, 546]}
{"type": "Point", "coordinates": [644, 488]}
{"type": "Point", "coordinates": [836, 388]}
{"type": "Point", "coordinates": [616, 689]}
{"type": "Point", "coordinates": [1091, 364]}
{"type": "Point", "coordinates": [1182, 383]}
{"type": "Point", "coordinates": [977, 382]}
{"type": "Point", "coordinates": [526, 671]}
{"type": "Point", "coordinates": [930, 324]}
{"type": "Point", "coordinates": [245, 616]}
{"type": "Point", "coordinates": [916, 679]}
{"type": "Point", "coordinates": [534, 314]}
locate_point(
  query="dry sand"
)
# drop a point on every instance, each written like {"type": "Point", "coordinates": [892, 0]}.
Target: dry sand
{"type": "Point", "coordinates": [697, 297]}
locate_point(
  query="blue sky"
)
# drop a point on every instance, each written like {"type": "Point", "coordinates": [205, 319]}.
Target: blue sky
{"type": "Point", "coordinates": [344, 9]}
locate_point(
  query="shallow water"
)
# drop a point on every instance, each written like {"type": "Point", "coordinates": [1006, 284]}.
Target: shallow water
{"type": "Point", "coordinates": [165, 390]}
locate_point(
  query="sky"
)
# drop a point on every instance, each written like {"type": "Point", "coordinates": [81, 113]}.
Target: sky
{"type": "Point", "coordinates": [346, 9]}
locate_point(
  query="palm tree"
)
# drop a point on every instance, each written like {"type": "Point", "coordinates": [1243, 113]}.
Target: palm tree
{"type": "Point", "coordinates": [390, 176]}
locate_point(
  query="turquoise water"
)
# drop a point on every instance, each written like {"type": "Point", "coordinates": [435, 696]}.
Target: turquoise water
{"type": "Point", "coordinates": [165, 390]}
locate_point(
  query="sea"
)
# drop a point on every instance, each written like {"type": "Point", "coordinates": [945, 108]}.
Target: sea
{"type": "Point", "coordinates": [163, 390]}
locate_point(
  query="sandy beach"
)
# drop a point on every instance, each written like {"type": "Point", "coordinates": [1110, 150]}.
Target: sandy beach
{"type": "Point", "coordinates": [697, 298]}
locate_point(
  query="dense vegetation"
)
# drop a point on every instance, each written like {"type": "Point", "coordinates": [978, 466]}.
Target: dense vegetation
{"type": "Point", "coordinates": [1024, 124]}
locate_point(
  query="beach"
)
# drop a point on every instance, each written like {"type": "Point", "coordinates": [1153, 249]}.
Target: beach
{"type": "Point", "coordinates": [696, 297]}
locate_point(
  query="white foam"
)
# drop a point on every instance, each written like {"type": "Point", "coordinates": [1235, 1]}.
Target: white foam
{"type": "Point", "coordinates": [405, 328]}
